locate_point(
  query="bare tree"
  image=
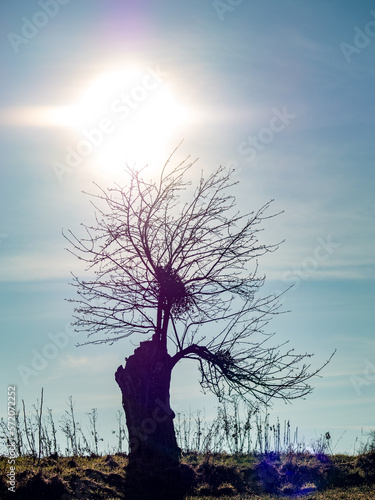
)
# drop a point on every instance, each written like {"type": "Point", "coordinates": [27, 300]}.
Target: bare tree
{"type": "Point", "coordinates": [181, 273]}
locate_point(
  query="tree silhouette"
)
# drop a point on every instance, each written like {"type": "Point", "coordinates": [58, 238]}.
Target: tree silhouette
{"type": "Point", "coordinates": [181, 273]}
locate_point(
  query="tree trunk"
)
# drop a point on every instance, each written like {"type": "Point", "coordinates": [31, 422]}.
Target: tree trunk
{"type": "Point", "coordinates": [145, 384]}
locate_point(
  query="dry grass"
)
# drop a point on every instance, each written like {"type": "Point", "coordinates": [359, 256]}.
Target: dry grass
{"type": "Point", "coordinates": [211, 476]}
{"type": "Point", "coordinates": [251, 470]}
{"type": "Point", "coordinates": [353, 493]}
{"type": "Point", "coordinates": [67, 477]}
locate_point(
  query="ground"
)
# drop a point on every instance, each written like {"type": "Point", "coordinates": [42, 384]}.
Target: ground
{"type": "Point", "coordinates": [235, 477]}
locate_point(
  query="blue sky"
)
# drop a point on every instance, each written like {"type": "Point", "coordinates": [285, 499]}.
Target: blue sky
{"type": "Point", "coordinates": [280, 90]}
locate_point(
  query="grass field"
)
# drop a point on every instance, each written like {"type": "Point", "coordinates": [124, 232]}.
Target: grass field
{"type": "Point", "coordinates": [235, 477]}
{"type": "Point", "coordinates": [354, 493]}
{"type": "Point", "coordinates": [267, 464]}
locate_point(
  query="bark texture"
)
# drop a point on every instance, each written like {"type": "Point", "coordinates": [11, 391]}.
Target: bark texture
{"type": "Point", "coordinates": [145, 385]}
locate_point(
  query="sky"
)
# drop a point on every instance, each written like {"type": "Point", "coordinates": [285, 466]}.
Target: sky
{"type": "Point", "coordinates": [281, 91]}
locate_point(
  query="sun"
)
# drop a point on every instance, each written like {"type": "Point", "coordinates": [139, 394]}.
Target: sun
{"type": "Point", "coordinates": [129, 116]}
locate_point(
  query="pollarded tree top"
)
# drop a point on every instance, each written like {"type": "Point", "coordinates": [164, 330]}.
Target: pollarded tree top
{"type": "Point", "coordinates": [185, 273]}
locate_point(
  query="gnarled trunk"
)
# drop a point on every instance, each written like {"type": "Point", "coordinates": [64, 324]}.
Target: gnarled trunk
{"type": "Point", "coordinates": [145, 384]}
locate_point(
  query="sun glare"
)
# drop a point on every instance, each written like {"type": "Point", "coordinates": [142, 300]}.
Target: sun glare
{"type": "Point", "coordinates": [129, 117]}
